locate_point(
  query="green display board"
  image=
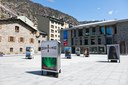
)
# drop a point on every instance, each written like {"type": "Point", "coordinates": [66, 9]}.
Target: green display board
{"type": "Point", "coordinates": [49, 63]}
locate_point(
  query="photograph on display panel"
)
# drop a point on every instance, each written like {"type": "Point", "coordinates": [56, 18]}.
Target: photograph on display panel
{"type": "Point", "coordinates": [86, 52]}
{"type": "Point", "coordinates": [113, 52]}
{"type": "Point", "coordinates": [49, 63]}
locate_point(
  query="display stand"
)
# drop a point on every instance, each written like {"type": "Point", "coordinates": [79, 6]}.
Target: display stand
{"type": "Point", "coordinates": [113, 52]}
{"type": "Point", "coordinates": [50, 54]}
{"type": "Point", "coordinates": [67, 51]}
{"type": "Point", "coordinates": [77, 51]}
{"type": "Point", "coordinates": [29, 52]}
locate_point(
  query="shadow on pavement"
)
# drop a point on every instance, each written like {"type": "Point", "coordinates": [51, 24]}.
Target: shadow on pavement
{"type": "Point", "coordinates": [49, 74]}
{"type": "Point", "coordinates": [35, 72]}
{"type": "Point", "coordinates": [103, 61]}
{"type": "Point", "coordinates": [107, 61]}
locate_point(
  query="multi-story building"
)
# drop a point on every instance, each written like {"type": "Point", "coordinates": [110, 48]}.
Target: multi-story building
{"type": "Point", "coordinates": [51, 26]}
{"type": "Point", "coordinates": [96, 36]}
{"type": "Point", "coordinates": [15, 35]}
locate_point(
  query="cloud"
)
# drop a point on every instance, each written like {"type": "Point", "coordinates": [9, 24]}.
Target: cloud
{"type": "Point", "coordinates": [110, 12]}
{"type": "Point", "coordinates": [50, 0]}
{"type": "Point", "coordinates": [98, 8]}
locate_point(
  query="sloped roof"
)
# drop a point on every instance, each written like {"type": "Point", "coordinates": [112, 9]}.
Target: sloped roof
{"type": "Point", "coordinates": [15, 19]}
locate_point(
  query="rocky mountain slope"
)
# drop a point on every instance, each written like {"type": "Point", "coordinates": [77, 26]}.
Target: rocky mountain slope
{"type": "Point", "coordinates": [32, 10]}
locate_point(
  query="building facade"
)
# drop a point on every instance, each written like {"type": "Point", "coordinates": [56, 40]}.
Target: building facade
{"type": "Point", "coordinates": [16, 35]}
{"type": "Point", "coordinates": [51, 26]}
{"type": "Point", "coordinates": [96, 36]}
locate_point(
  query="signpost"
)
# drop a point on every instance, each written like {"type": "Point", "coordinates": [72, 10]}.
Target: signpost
{"type": "Point", "coordinates": [50, 53]}
{"type": "Point", "coordinates": [113, 52]}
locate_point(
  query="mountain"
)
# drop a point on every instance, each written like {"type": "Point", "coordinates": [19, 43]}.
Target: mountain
{"type": "Point", "coordinates": [32, 10]}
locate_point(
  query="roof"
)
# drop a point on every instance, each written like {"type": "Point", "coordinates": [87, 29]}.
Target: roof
{"type": "Point", "coordinates": [60, 21]}
{"type": "Point", "coordinates": [15, 19]}
{"type": "Point", "coordinates": [102, 23]}
{"type": "Point", "coordinates": [42, 33]}
{"type": "Point", "coordinates": [27, 21]}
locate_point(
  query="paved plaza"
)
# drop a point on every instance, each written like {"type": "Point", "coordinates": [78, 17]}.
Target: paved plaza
{"type": "Point", "coordinates": [93, 70]}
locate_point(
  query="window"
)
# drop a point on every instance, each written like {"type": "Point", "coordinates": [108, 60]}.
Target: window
{"type": "Point", "coordinates": [99, 40]}
{"type": "Point", "coordinates": [52, 26]}
{"type": "Point", "coordinates": [52, 35]}
{"type": "Point", "coordinates": [87, 31]}
{"type": "Point", "coordinates": [109, 40]}
{"type": "Point", "coordinates": [109, 30]}
{"type": "Point", "coordinates": [16, 28]}
{"type": "Point", "coordinates": [101, 49]}
{"type": "Point", "coordinates": [76, 41]}
{"type": "Point", "coordinates": [31, 40]}
{"type": "Point", "coordinates": [80, 41]}
{"type": "Point", "coordinates": [0, 38]}
{"type": "Point", "coordinates": [72, 41]}
{"type": "Point", "coordinates": [102, 30]}
{"type": "Point", "coordinates": [55, 31]}
{"type": "Point", "coordinates": [80, 32]}
{"type": "Point", "coordinates": [52, 31]}
{"type": "Point", "coordinates": [85, 41]}
{"type": "Point", "coordinates": [55, 35]}
{"type": "Point", "coordinates": [39, 48]}
{"type": "Point", "coordinates": [38, 41]}
{"type": "Point", "coordinates": [11, 49]}
{"type": "Point", "coordinates": [21, 49]}
{"type": "Point", "coordinates": [21, 39]}
{"type": "Point", "coordinates": [92, 41]}
{"type": "Point", "coordinates": [93, 49]}
{"type": "Point", "coordinates": [11, 39]}
{"type": "Point", "coordinates": [93, 31]}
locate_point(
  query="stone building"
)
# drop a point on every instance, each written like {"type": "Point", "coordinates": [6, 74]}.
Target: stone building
{"type": "Point", "coordinates": [15, 35]}
{"type": "Point", "coordinates": [96, 36]}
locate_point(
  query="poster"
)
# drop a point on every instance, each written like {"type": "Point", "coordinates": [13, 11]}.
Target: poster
{"type": "Point", "coordinates": [86, 52]}
{"type": "Point", "coordinates": [67, 52]}
{"type": "Point", "coordinates": [113, 52]}
{"type": "Point", "coordinates": [65, 36]}
{"type": "Point", "coordinates": [29, 52]}
{"type": "Point", "coordinates": [49, 63]}
{"type": "Point", "coordinates": [49, 49]}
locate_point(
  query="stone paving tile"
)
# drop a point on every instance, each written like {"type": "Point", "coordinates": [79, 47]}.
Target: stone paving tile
{"type": "Point", "coordinates": [94, 70]}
